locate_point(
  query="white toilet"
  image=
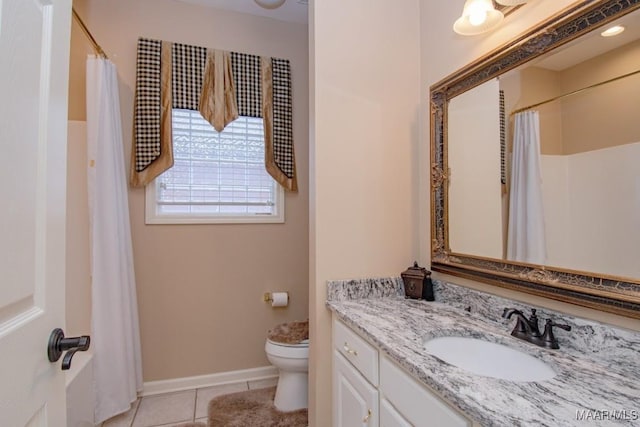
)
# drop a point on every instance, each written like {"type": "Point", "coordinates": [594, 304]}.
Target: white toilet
{"type": "Point", "coordinates": [292, 361]}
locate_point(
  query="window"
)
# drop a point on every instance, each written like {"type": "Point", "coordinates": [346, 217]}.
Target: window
{"type": "Point", "coordinates": [217, 177]}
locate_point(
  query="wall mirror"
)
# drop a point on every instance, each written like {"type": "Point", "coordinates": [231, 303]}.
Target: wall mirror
{"type": "Point", "coordinates": [535, 147]}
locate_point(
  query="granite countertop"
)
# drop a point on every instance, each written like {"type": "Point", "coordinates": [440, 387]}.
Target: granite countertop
{"type": "Point", "coordinates": [598, 383]}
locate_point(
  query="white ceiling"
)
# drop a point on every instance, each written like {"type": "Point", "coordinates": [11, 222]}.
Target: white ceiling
{"type": "Point", "coordinates": [290, 11]}
{"type": "Point", "coordinates": [592, 44]}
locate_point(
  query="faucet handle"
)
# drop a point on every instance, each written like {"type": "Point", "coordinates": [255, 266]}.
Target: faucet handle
{"type": "Point", "coordinates": [561, 326]}
{"type": "Point", "coordinates": [548, 339]}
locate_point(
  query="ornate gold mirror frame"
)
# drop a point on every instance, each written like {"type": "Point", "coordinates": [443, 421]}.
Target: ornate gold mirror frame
{"type": "Point", "coordinates": [606, 293]}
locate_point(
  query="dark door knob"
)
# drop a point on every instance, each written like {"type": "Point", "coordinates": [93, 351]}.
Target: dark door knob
{"type": "Point", "coordinates": [58, 344]}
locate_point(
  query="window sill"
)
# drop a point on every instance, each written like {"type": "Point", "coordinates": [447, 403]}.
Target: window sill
{"type": "Point", "coordinates": [256, 219]}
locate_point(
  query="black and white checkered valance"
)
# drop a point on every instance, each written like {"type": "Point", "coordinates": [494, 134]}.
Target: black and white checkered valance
{"type": "Point", "coordinates": [282, 117]}
{"type": "Point", "coordinates": [146, 120]}
{"type": "Point", "coordinates": [187, 70]}
{"type": "Point", "coordinates": [186, 75]}
{"type": "Point", "coordinates": [247, 76]}
{"type": "Point", "coordinates": [503, 141]}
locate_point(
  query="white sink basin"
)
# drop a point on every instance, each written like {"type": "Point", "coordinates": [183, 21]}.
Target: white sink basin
{"type": "Point", "coordinates": [489, 359]}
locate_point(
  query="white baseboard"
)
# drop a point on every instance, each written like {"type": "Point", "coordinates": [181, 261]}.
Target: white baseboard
{"type": "Point", "coordinates": [189, 383]}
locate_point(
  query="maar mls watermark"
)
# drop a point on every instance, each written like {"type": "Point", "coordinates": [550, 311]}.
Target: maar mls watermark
{"type": "Point", "coordinates": [607, 415]}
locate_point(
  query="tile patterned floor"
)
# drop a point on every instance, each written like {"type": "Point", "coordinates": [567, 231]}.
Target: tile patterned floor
{"type": "Point", "coordinates": [173, 409]}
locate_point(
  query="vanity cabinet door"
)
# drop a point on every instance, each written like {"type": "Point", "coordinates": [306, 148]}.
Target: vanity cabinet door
{"type": "Point", "coordinates": [389, 417]}
{"type": "Point", "coordinates": [419, 405]}
{"type": "Point", "coordinates": [355, 400]}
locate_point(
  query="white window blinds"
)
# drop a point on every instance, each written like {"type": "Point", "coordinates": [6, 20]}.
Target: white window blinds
{"type": "Point", "coordinates": [216, 173]}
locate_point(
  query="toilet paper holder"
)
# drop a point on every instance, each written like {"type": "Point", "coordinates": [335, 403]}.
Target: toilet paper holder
{"type": "Point", "coordinates": [267, 297]}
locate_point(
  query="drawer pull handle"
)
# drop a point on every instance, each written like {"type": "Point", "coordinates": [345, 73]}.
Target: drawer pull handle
{"type": "Point", "coordinates": [368, 417]}
{"type": "Point", "coordinates": [349, 350]}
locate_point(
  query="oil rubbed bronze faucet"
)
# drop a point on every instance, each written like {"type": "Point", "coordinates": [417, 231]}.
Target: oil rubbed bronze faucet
{"type": "Point", "coordinates": [527, 329]}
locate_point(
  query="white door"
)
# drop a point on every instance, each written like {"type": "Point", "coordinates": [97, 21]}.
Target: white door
{"type": "Point", "coordinates": [34, 64]}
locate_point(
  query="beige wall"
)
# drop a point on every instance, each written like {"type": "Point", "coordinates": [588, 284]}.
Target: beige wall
{"type": "Point", "coordinates": [540, 85]}
{"type": "Point", "coordinates": [606, 116]}
{"type": "Point", "coordinates": [364, 137]}
{"type": "Point", "coordinates": [78, 280]}
{"type": "Point", "coordinates": [200, 286]}
{"type": "Point", "coordinates": [80, 48]}
{"type": "Point", "coordinates": [528, 87]}
{"type": "Point", "coordinates": [443, 52]}
{"type": "Point", "coordinates": [598, 118]}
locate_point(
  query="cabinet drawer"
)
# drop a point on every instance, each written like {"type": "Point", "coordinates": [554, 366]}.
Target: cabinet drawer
{"type": "Point", "coordinates": [362, 355]}
{"type": "Point", "coordinates": [417, 404]}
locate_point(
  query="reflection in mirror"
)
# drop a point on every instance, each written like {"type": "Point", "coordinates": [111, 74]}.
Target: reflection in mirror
{"type": "Point", "coordinates": [557, 184]}
{"type": "Point", "coordinates": [590, 201]}
{"type": "Point", "coordinates": [475, 188]}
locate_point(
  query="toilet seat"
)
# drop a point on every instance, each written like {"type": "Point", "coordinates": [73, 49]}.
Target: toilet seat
{"type": "Point", "coordinates": [303, 343]}
{"type": "Point", "coordinates": [289, 351]}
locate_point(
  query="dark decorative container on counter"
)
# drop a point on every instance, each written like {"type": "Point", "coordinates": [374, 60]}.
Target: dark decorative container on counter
{"type": "Point", "coordinates": [417, 283]}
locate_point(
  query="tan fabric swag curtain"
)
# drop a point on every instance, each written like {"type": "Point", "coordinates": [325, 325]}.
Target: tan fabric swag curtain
{"type": "Point", "coordinates": [218, 96]}
{"type": "Point", "coordinates": [222, 86]}
{"type": "Point", "coordinates": [152, 148]}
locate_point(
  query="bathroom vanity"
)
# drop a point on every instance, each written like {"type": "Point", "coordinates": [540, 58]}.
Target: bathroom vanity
{"type": "Point", "coordinates": [384, 376]}
{"type": "Point", "coordinates": [368, 385]}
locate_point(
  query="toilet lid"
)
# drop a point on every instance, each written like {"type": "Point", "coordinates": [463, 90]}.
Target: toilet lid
{"type": "Point", "coordinates": [290, 333]}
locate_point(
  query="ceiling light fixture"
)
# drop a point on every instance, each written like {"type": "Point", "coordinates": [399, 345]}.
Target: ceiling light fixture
{"type": "Point", "coordinates": [269, 4]}
{"type": "Point", "coordinates": [613, 31]}
{"type": "Point", "coordinates": [477, 17]}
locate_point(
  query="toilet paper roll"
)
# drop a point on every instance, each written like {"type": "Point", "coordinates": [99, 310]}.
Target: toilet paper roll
{"type": "Point", "coordinates": [279, 299]}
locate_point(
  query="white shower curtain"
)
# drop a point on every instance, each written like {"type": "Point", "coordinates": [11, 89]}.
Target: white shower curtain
{"type": "Point", "coordinates": [526, 234]}
{"type": "Point", "coordinates": [115, 335]}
